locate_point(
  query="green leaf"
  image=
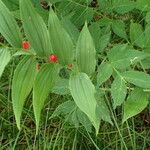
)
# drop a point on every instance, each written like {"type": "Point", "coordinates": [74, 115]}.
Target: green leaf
{"type": "Point", "coordinates": [71, 29]}
{"type": "Point", "coordinates": [118, 27]}
{"type": "Point", "coordinates": [22, 84]}
{"type": "Point", "coordinates": [61, 87]}
{"type": "Point", "coordinates": [84, 120]}
{"type": "Point", "coordinates": [137, 35]}
{"type": "Point", "coordinates": [104, 41]}
{"type": "Point", "coordinates": [82, 91]}
{"type": "Point", "coordinates": [137, 78]}
{"type": "Point", "coordinates": [101, 38]}
{"type": "Point", "coordinates": [95, 31]}
{"type": "Point", "coordinates": [44, 83]}
{"type": "Point", "coordinates": [147, 33]}
{"type": "Point", "coordinates": [121, 56]}
{"type": "Point", "coordinates": [65, 108]}
{"type": "Point", "coordinates": [35, 29]}
{"type": "Point", "coordinates": [11, 4]}
{"type": "Point", "coordinates": [85, 52]}
{"type": "Point", "coordinates": [61, 41]}
{"type": "Point", "coordinates": [102, 109]}
{"type": "Point", "coordinates": [105, 70]}
{"type": "Point", "coordinates": [5, 58]}
{"type": "Point", "coordinates": [147, 18]}
{"type": "Point", "coordinates": [117, 56]}
{"type": "Point", "coordinates": [118, 91]}
{"type": "Point", "coordinates": [123, 6]}
{"type": "Point", "coordinates": [8, 27]}
{"type": "Point", "coordinates": [136, 102]}
{"type": "Point", "coordinates": [143, 5]}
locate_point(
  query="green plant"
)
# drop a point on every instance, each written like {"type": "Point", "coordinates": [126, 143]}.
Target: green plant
{"type": "Point", "coordinates": [102, 68]}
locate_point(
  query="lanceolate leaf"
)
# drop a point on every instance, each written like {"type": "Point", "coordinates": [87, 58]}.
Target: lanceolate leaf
{"type": "Point", "coordinates": [85, 52]}
{"type": "Point", "coordinates": [35, 29]}
{"type": "Point", "coordinates": [118, 91]}
{"type": "Point", "coordinates": [61, 41]}
{"type": "Point", "coordinates": [44, 83]}
{"type": "Point", "coordinates": [137, 78]}
{"type": "Point", "coordinates": [83, 92]}
{"type": "Point", "coordinates": [8, 27]}
{"type": "Point", "coordinates": [4, 58]}
{"type": "Point", "coordinates": [135, 103]}
{"type": "Point", "coordinates": [105, 70]}
{"type": "Point", "coordinates": [22, 84]}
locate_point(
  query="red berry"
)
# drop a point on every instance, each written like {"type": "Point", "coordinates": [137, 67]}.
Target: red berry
{"type": "Point", "coordinates": [53, 58]}
{"type": "Point", "coordinates": [25, 45]}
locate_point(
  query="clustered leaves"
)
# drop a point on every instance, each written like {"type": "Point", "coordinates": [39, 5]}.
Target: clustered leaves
{"type": "Point", "coordinates": [97, 66]}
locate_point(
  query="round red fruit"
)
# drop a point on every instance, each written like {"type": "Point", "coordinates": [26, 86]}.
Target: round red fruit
{"type": "Point", "coordinates": [26, 45]}
{"type": "Point", "coordinates": [53, 58]}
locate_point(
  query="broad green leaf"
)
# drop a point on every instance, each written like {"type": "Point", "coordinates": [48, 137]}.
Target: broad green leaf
{"type": "Point", "coordinates": [118, 27]}
{"type": "Point", "coordinates": [44, 83]}
{"type": "Point", "coordinates": [143, 5]}
{"type": "Point", "coordinates": [85, 52]}
{"type": "Point", "coordinates": [121, 56]}
{"type": "Point", "coordinates": [35, 29]}
{"type": "Point", "coordinates": [22, 84]}
{"type": "Point", "coordinates": [117, 56]}
{"type": "Point", "coordinates": [105, 70]}
{"type": "Point", "coordinates": [118, 91]}
{"type": "Point", "coordinates": [123, 6]}
{"type": "Point", "coordinates": [61, 41]}
{"type": "Point", "coordinates": [137, 35]}
{"type": "Point", "coordinates": [137, 78]}
{"type": "Point", "coordinates": [83, 93]}
{"type": "Point", "coordinates": [8, 27]}
{"type": "Point", "coordinates": [5, 58]}
{"type": "Point", "coordinates": [136, 102]}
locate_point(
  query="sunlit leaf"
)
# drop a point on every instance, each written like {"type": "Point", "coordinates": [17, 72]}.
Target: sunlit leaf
{"type": "Point", "coordinates": [61, 41]}
{"type": "Point", "coordinates": [35, 29]}
{"type": "Point", "coordinates": [83, 93]}
{"type": "Point", "coordinates": [118, 91]}
{"type": "Point", "coordinates": [44, 83]}
{"type": "Point", "coordinates": [137, 78]}
{"type": "Point", "coordinates": [8, 27]}
{"type": "Point", "coordinates": [136, 102]}
{"type": "Point", "coordinates": [22, 84]}
{"type": "Point", "coordinates": [85, 52]}
{"type": "Point", "coordinates": [4, 58]}
{"type": "Point", "coordinates": [105, 70]}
